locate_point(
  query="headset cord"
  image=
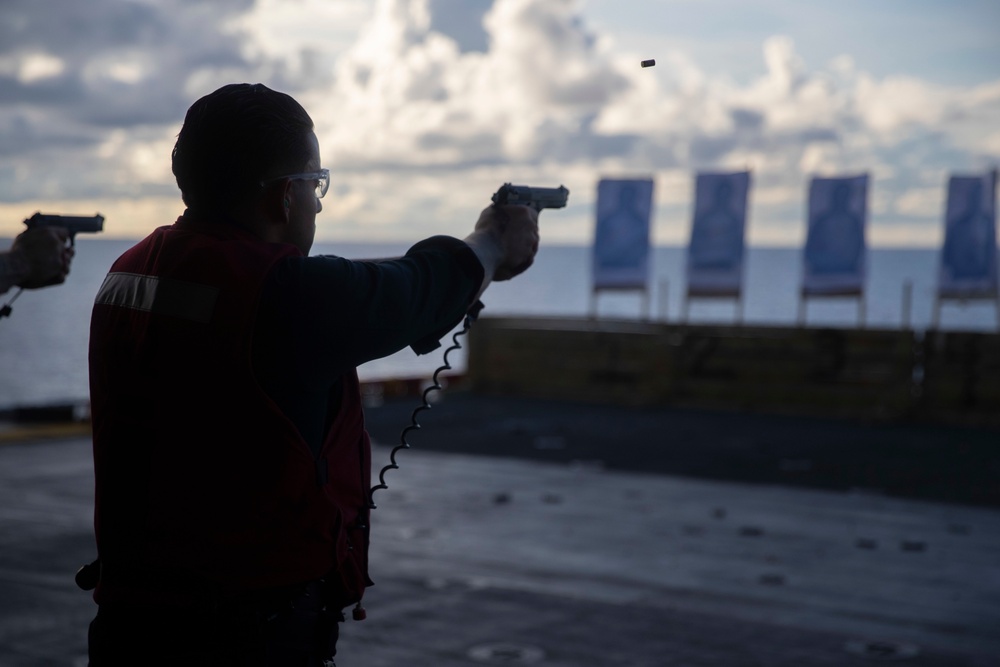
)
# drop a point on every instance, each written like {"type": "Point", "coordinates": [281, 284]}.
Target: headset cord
{"type": "Point", "coordinates": [425, 405]}
{"type": "Point", "coordinates": [6, 310]}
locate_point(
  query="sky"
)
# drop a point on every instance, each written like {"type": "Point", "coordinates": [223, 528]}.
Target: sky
{"type": "Point", "coordinates": [423, 108]}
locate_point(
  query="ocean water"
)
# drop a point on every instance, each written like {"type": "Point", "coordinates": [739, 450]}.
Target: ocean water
{"type": "Point", "coordinates": [43, 344]}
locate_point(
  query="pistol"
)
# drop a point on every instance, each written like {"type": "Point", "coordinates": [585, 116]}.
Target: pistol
{"type": "Point", "coordinates": [536, 198]}
{"type": "Point", "coordinates": [74, 224]}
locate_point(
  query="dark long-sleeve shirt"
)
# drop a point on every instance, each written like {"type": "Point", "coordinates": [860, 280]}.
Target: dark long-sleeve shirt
{"type": "Point", "coordinates": [323, 316]}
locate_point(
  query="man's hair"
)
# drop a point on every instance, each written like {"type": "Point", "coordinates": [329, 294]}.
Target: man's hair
{"type": "Point", "coordinates": [234, 138]}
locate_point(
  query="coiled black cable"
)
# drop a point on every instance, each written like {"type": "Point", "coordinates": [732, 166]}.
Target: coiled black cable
{"type": "Point", "coordinates": [6, 310]}
{"type": "Point", "coordinates": [425, 405]}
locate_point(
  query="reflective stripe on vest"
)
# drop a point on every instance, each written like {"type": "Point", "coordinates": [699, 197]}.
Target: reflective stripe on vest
{"type": "Point", "coordinates": [162, 296]}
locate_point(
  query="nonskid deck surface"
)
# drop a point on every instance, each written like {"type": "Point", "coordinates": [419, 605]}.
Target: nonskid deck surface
{"type": "Point", "coordinates": [546, 551]}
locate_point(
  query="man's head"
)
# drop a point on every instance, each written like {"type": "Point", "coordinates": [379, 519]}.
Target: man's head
{"type": "Point", "coordinates": [236, 150]}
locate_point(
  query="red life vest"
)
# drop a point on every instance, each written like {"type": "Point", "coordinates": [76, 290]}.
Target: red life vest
{"type": "Point", "coordinates": [198, 473]}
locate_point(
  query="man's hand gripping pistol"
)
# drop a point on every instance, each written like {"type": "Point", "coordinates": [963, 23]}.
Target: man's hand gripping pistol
{"type": "Point", "coordinates": [525, 195]}
{"type": "Point", "coordinates": [73, 224]}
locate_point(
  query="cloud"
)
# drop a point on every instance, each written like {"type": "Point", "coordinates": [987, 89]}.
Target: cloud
{"type": "Point", "coordinates": [116, 63]}
{"type": "Point", "coordinates": [424, 107]}
{"type": "Point", "coordinates": [77, 77]}
{"type": "Point", "coordinates": [408, 94]}
{"type": "Point", "coordinates": [549, 91]}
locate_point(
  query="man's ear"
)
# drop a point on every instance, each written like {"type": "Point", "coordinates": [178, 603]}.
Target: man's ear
{"type": "Point", "coordinates": [277, 202]}
{"type": "Point", "coordinates": [287, 199]}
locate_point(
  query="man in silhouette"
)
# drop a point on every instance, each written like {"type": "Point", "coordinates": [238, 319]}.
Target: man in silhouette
{"type": "Point", "coordinates": [231, 459]}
